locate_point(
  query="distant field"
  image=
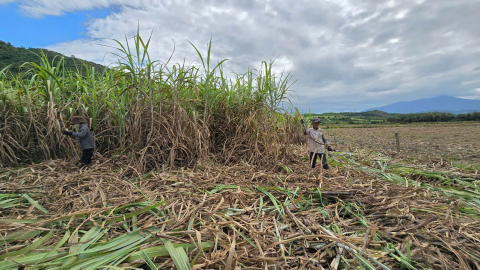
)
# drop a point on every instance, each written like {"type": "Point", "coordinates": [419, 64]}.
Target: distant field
{"type": "Point", "coordinates": [380, 117]}
{"type": "Point", "coordinates": [456, 142]}
{"type": "Point", "coordinates": [373, 117]}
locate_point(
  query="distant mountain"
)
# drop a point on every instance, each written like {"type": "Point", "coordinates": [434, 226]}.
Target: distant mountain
{"type": "Point", "coordinates": [15, 57]}
{"type": "Point", "coordinates": [436, 104]}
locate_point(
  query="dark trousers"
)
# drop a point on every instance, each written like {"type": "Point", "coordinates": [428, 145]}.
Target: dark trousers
{"type": "Point", "coordinates": [86, 157]}
{"type": "Point", "coordinates": [323, 158]}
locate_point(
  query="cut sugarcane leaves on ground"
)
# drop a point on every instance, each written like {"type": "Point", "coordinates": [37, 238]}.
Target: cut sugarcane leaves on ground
{"type": "Point", "coordinates": [374, 212]}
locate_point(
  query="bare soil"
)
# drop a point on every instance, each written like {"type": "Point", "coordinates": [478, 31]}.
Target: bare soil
{"type": "Point", "coordinates": [452, 142]}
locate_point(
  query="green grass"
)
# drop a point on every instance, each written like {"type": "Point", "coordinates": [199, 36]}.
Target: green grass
{"type": "Point", "coordinates": [474, 168]}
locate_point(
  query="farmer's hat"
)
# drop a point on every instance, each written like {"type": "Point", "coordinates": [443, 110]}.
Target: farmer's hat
{"type": "Point", "coordinates": [316, 120]}
{"type": "Point", "coordinates": [78, 120]}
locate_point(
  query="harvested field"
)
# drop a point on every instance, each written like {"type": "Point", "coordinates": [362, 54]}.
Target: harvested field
{"type": "Point", "coordinates": [367, 212]}
{"type": "Point", "coordinates": [457, 142]}
{"type": "Point", "coordinates": [244, 198]}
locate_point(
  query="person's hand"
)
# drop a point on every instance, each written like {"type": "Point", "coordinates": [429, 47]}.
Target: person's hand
{"type": "Point", "coordinates": [66, 132]}
{"type": "Point", "coordinates": [329, 148]}
{"type": "Point", "coordinates": [301, 121]}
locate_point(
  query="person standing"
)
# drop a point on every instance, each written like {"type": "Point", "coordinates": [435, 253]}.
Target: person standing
{"type": "Point", "coordinates": [317, 143]}
{"type": "Point", "coordinates": [85, 139]}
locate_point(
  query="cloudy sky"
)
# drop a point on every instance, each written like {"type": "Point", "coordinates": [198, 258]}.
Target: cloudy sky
{"type": "Point", "coordinates": [346, 55]}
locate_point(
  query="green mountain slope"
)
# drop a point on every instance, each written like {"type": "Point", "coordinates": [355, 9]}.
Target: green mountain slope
{"type": "Point", "coordinates": [371, 117]}
{"type": "Point", "coordinates": [10, 55]}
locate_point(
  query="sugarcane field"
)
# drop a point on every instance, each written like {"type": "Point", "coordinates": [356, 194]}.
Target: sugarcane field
{"type": "Point", "coordinates": [152, 165]}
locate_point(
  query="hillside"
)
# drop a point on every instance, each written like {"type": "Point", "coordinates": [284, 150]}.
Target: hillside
{"type": "Point", "coordinates": [10, 55]}
{"type": "Point", "coordinates": [377, 113]}
{"type": "Point", "coordinates": [436, 104]}
{"type": "Point", "coordinates": [370, 117]}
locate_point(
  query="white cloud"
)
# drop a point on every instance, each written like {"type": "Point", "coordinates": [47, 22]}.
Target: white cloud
{"type": "Point", "coordinates": [354, 54]}
{"type": "Point", "coordinates": [402, 14]}
{"type": "Point", "coordinates": [473, 94]}
{"type": "Point", "coordinates": [100, 51]}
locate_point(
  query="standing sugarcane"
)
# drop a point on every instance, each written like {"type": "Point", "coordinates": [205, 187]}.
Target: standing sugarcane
{"type": "Point", "coordinates": [61, 123]}
{"type": "Point", "coordinates": [317, 142]}
{"type": "Point", "coordinates": [85, 139]}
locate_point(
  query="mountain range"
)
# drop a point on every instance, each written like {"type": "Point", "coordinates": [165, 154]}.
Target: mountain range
{"type": "Point", "coordinates": [436, 104]}
{"type": "Point", "coordinates": [15, 57]}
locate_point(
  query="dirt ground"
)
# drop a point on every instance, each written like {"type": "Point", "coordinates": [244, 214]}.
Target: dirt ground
{"type": "Point", "coordinates": [453, 142]}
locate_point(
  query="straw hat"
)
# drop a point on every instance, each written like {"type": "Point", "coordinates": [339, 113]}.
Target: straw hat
{"type": "Point", "coordinates": [78, 120]}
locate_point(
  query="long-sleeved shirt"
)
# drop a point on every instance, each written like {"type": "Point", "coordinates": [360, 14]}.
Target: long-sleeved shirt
{"type": "Point", "coordinates": [85, 138]}
{"type": "Point", "coordinates": [316, 140]}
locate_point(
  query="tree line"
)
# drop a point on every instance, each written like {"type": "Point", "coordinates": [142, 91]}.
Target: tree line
{"type": "Point", "coordinates": [433, 117]}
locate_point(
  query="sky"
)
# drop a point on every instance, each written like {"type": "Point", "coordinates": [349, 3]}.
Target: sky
{"type": "Point", "coordinates": [344, 55]}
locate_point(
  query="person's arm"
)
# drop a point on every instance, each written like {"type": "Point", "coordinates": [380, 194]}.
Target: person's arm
{"type": "Point", "coordinates": [82, 132]}
{"type": "Point", "coordinates": [324, 138]}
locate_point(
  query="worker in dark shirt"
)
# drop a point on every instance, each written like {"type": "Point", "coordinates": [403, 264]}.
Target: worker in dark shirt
{"type": "Point", "coordinates": [85, 139]}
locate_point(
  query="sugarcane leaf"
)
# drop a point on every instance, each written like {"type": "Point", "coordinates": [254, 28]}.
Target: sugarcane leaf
{"type": "Point", "coordinates": [244, 237]}
{"type": "Point", "coordinates": [18, 236]}
{"type": "Point", "coordinates": [160, 251]}
{"type": "Point", "coordinates": [35, 203]}
{"type": "Point", "coordinates": [143, 210]}
{"type": "Point", "coordinates": [178, 255]}
{"type": "Point", "coordinates": [30, 259]}
{"type": "Point", "coordinates": [56, 247]}
{"type": "Point", "coordinates": [149, 262]}
{"type": "Point", "coordinates": [25, 250]}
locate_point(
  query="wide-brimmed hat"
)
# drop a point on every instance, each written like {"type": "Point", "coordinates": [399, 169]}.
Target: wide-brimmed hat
{"type": "Point", "coordinates": [316, 120]}
{"type": "Point", "coordinates": [78, 120]}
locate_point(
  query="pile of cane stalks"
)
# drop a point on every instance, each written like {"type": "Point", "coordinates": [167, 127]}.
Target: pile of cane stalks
{"type": "Point", "coordinates": [367, 212]}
